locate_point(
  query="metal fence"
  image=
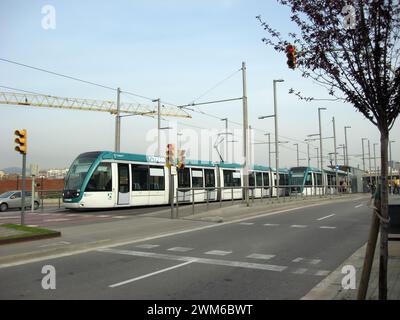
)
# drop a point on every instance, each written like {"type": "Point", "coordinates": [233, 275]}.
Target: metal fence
{"type": "Point", "coordinates": [268, 194]}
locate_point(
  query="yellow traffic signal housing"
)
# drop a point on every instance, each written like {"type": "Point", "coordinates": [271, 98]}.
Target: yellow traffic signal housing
{"type": "Point", "coordinates": [21, 141]}
{"type": "Point", "coordinates": [291, 54]}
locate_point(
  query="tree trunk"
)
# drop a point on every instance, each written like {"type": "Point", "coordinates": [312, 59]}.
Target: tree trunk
{"type": "Point", "coordinates": [384, 211]}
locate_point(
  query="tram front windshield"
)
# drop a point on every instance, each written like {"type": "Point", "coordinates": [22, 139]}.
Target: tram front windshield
{"type": "Point", "coordinates": [78, 170]}
{"type": "Point", "coordinates": [297, 176]}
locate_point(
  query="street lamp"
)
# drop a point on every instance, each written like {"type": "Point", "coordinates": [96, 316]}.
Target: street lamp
{"type": "Point", "coordinates": [320, 147]}
{"type": "Point", "coordinates": [345, 141]}
{"type": "Point", "coordinates": [363, 156]}
{"type": "Point", "coordinates": [391, 165]}
{"type": "Point", "coordinates": [297, 149]}
{"type": "Point", "coordinates": [226, 137]}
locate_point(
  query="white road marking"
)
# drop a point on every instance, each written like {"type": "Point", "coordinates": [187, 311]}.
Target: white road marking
{"type": "Point", "coordinates": [153, 237]}
{"type": "Point", "coordinates": [59, 243]}
{"type": "Point", "coordinates": [147, 246]}
{"type": "Point", "coordinates": [120, 217]}
{"type": "Point", "coordinates": [298, 226]}
{"type": "Point", "coordinates": [228, 263]}
{"type": "Point", "coordinates": [218, 252]}
{"type": "Point", "coordinates": [327, 227]}
{"type": "Point", "coordinates": [300, 271]}
{"type": "Point", "coordinates": [314, 261]}
{"type": "Point", "coordinates": [72, 214]}
{"type": "Point", "coordinates": [180, 249]}
{"type": "Point", "coordinates": [104, 216]}
{"type": "Point", "coordinates": [297, 259]}
{"type": "Point", "coordinates": [44, 214]}
{"type": "Point", "coordinates": [150, 274]}
{"type": "Point", "coordinates": [56, 220]}
{"type": "Point", "coordinates": [261, 256]}
{"type": "Point", "coordinates": [360, 205]}
{"type": "Point", "coordinates": [246, 223]}
{"type": "Point", "coordinates": [271, 224]}
{"type": "Point", "coordinates": [326, 217]}
{"type": "Point", "coordinates": [322, 273]}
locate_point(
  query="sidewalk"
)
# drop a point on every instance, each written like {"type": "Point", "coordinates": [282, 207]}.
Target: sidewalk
{"type": "Point", "coordinates": [85, 238]}
{"type": "Point", "coordinates": [331, 287]}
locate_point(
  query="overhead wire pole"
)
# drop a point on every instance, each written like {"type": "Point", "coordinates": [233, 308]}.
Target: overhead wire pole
{"type": "Point", "coordinates": [118, 123]}
{"type": "Point", "coordinates": [320, 149]}
{"type": "Point", "coordinates": [334, 145]}
{"type": "Point", "coordinates": [276, 138]}
{"type": "Point", "coordinates": [245, 142]}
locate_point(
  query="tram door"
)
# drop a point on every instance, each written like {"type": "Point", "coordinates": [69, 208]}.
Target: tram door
{"type": "Point", "coordinates": [123, 183]}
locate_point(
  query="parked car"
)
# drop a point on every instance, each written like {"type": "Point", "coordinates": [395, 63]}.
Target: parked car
{"type": "Point", "coordinates": [13, 199]}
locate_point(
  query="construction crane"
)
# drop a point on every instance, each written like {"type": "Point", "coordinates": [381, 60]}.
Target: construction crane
{"type": "Point", "coordinates": [48, 101]}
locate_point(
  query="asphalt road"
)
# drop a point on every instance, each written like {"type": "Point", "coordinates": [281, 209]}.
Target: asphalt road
{"type": "Point", "coordinates": [280, 256]}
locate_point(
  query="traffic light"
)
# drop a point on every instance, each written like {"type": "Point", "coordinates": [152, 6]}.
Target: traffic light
{"type": "Point", "coordinates": [21, 141]}
{"type": "Point", "coordinates": [170, 156]}
{"type": "Point", "coordinates": [181, 160]}
{"type": "Point", "coordinates": [291, 55]}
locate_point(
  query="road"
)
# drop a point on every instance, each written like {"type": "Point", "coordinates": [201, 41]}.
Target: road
{"type": "Point", "coordinates": [281, 256]}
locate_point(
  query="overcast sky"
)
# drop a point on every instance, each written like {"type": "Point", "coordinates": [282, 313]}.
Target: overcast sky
{"type": "Point", "coordinates": [173, 49]}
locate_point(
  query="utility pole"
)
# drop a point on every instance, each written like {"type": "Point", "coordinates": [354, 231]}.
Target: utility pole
{"type": "Point", "coordinates": [308, 154]}
{"type": "Point", "coordinates": [320, 148]}
{"type": "Point", "coordinates": [269, 149]}
{"type": "Point", "coordinates": [345, 141]}
{"type": "Point", "coordinates": [297, 152]}
{"type": "Point", "coordinates": [376, 171]}
{"type": "Point", "coordinates": [369, 160]}
{"type": "Point", "coordinates": [250, 148]}
{"type": "Point", "coordinates": [245, 142]}
{"type": "Point", "coordinates": [391, 165]}
{"type": "Point", "coordinates": [118, 123]}
{"type": "Point", "coordinates": [158, 126]}
{"type": "Point", "coordinates": [363, 152]}
{"type": "Point", "coordinates": [336, 163]}
{"type": "Point", "coordinates": [226, 138]}
{"type": "Point", "coordinates": [276, 138]}
{"type": "Point", "coordinates": [317, 156]}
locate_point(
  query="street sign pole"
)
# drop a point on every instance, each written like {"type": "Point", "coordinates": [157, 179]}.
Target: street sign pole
{"type": "Point", "coordinates": [23, 189]}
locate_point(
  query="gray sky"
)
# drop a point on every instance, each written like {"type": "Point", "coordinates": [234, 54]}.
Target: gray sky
{"type": "Point", "coordinates": [172, 49]}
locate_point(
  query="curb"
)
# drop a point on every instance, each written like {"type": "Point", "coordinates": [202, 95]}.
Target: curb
{"type": "Point", "coordinates": [31, 238]}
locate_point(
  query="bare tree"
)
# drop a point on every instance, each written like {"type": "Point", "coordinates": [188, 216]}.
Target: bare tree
{"type": "Point", "coordinates": [352, 49]}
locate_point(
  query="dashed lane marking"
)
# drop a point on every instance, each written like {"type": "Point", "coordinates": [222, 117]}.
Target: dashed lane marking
{"type": "Point", "coordinates": [260, 256]}
{"type": "Point", "coordinates": [298, 226]}
{"type": "Point", "coordinates": [246, 223]}
{"type": "Point", "coordinates": [147, 246]}
{"type": "Point", "coordinates": [218, 252]}
{"type": "Point", "coordinates": [271, 224]}
{"type": "Point", "coordinates": [327, 227]}
{"type": "Point", "coordinates": [180, 249]}
{"type": "Point", "coordinates": [300, 271]}
{"type": "Point", "coordinates": [359, 206]}
{"type": "Point", "coordinates": [326, 217]}
{"type": "Point", "coordinates": [104, 216]}
{"type": "Point", "coordinates": [120, 217]}
{"type": "Point", "coordinates": [309, 261]}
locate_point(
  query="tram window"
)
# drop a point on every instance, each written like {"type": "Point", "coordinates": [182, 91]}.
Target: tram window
{"type": "Point", "coordinates": [319, 179]}
{"type": "Point", "coordinates": [266, 178]}
{"type": "Point", "coordinates": [284, 179]}
{"type": "Point", "coordinates": [184, 178]}
{"type": "Point", "coordinates": [157, 180]}
{"type": "Point", "coordinates": [231, 178]}
{"type": "Point", "coordinates": [197, 178]}
{"type": "Point", "coordinates": [140, 178]}
{"type": "Point", "coordinates": [259, 179]}
{"type": "Point", "coordinates": [252, 179]}
{"type": "Point", "coordinates": [101, 180]}
{"type": "Point", "coordinates": [308, 179]}
{"type": "Point", "coordinates": [209, 176]}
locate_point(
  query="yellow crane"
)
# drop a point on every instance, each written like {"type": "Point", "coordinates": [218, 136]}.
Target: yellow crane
{"type": "Point", "coordinates": [48, 101]}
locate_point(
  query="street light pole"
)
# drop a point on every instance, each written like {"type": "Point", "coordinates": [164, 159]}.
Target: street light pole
{"type": "Point", "coordinates": [345, 141]}
{"type": "Point", "coordinates": [363, 152]}
{"type": "Point", "coordinates": [308, 154]}
{"type": "Point", "coordinates": [276, 138]}
{"type": "Point", "coordinates": [391, 165]}
{"type": "Point", "coordinates": [334, 145]}
{"type": "Point", "coordinates": [226, 138]}
{"type": "Point", "coordinates": [320, 146]}
{"type": "Point", "coordinates": [317, 156]}
{"type": "Point", "coordinates": [245, 142]}
{"type": "Point", "coordinates": [269, 149]}
{"type": "Point", "coordinates": [369, 161]}
{"type": "Point", "coordinates": [297, 152]}
{"type": "Point", "coordinates": [376, 172]}
{"type": "Point", "coordinates": [118, 123]}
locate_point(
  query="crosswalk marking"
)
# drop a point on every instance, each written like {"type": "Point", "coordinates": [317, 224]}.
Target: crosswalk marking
{"type": "Point", "coordinates": [218, 252]}
{"type": "Point", "coordinates": [147, 246]}
{"type": "Point", "coordinates": [180, 249]}
{"type": "Point", "coordinates": [260, 256]}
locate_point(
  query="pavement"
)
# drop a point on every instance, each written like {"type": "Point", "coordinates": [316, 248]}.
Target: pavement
{"type": "Point", "coordinates": [266, 251]}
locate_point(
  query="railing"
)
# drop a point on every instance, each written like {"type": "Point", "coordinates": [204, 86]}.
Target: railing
{"type": "Point", "coordinates": [55, 195]}
{"type": "Point", "coordinates": [269, 194]}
